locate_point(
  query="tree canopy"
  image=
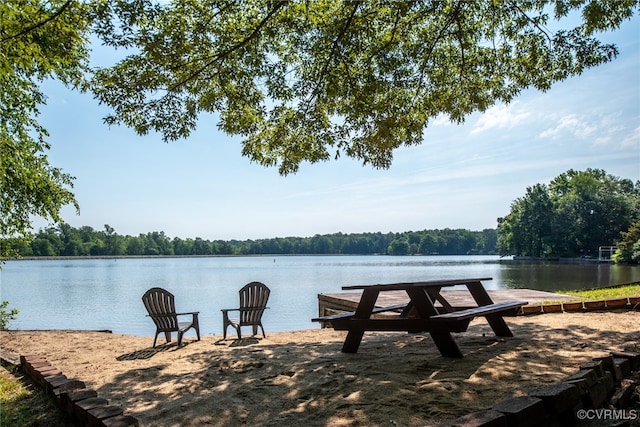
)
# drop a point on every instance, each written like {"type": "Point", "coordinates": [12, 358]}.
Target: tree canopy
{"type": "Point", "coordinates": [298, 80]}
{"type": "Point", "coordinates": [629, 250]}
{"type": "Point", "coordinates": [305, 81]}
{"type": "Point", "coordinates": [575, 214]}
{"type": "Point", "coordinates": [38, 40]}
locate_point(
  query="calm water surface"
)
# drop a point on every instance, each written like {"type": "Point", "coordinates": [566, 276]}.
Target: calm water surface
{"type": "Point", "coordinates": [106, 293]}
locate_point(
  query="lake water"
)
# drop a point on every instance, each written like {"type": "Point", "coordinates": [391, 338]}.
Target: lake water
{"type": "Point", "coordinates": [106, 293]}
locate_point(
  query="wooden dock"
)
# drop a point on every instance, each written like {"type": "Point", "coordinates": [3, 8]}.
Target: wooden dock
{"type": "Point", "coordinates": [330, 304]}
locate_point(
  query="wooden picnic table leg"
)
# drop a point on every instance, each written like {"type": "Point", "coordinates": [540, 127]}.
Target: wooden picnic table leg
{"type": "Point", "coordinates": [363, 311]}
{"type": "Point", "coordinates": [424, 305]}
{"type": "Point", "coordinates": [421, 302]}
{"type": "Point", "coordinates": [435, 295]}
{"type": "Point", "coordinates": [496, 321]}
{"type": "Point", "coordinates": [446, 344]}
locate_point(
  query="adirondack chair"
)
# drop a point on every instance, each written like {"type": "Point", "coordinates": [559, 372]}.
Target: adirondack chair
{"type": "Point", "coordinates": [253, 302]}
{"type": "Point", "coordinates": [161, 308]}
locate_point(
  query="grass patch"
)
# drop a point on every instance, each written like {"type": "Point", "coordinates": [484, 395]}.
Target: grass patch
{"type": "Point", "coordinates": [24, 405]}
{"type": "Point", "coordinates": [614, 292]}
{"type": "Point", "coordinates": [632, 290]}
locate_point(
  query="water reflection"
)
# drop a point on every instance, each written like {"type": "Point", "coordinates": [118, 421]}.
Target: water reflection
{"type": "Point", "coordinates": [566, 276]}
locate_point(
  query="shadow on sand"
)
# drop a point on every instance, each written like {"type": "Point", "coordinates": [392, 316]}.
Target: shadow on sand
{"type": "Point", "coordinates": [149, 352]}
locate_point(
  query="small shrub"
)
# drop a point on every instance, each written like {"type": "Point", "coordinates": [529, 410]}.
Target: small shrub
{"type": "Point", "coordinates": [6, 315]}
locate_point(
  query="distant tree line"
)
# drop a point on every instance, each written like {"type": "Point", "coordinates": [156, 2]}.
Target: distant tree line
{"type": "Point", "coordinates": [65, 240]}
{"type": "Point", "coordinates": [572, 216]}
{"type": "Point", "coordinates": [575, 214]}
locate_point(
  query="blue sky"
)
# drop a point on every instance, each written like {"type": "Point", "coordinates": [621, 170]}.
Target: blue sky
{"type": "Point", "coordinates": [462, 176]}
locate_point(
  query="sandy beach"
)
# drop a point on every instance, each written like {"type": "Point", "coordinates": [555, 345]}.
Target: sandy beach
{"type": "Point", "coordinates": [302, 378]}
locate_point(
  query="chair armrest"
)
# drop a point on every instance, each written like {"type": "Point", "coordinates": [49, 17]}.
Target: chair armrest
{"type": "Point", "coordinates": [163, 315]}
{"type": "Point", "coordinates": [194, 316]}
{"type": "Point", "coordinates": [229, 309]}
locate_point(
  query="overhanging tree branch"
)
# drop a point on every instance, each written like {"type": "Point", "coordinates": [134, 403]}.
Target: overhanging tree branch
{"type": "Point", "coordinates": [39, 24]}
{"type": "Point", "coordinates": [535, 24]}
{"type": "Point", "coordinates": [225, 53]}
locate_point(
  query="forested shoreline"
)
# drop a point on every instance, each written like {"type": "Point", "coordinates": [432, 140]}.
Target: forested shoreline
{"type": "Point", "coordinates": [573, 216]}
{"type": "Point", "coordinates": [67, 241]}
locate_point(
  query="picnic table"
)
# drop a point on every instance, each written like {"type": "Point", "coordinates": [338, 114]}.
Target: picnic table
{"type": "Point", "coordinates": [427, 311]}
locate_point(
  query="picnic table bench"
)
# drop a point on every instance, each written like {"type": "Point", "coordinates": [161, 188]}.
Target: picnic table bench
{"type": "Point", "coordinates": [427, 311]}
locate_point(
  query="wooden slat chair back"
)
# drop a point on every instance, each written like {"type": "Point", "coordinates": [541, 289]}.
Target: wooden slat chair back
{"type": "Point", "coordinates": [160, 305]}
{"type": "Point", "coordinates": [253, 303]}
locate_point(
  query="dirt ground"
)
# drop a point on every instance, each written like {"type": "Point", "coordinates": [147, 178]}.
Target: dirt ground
{"type": "Point", "coordinates": [302, 378]}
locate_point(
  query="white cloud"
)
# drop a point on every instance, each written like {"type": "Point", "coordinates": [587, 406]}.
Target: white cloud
{"type": "Point", "coordinates": [612, 130]}
{"type": "Point", "coordinates": [500, 116]}
{"type": "Point", "coordinates": [603, 140]}
{"type": "Point", "coordinates": [632, 140]}
{"type": "Point", "coordinates": [573, 125]}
